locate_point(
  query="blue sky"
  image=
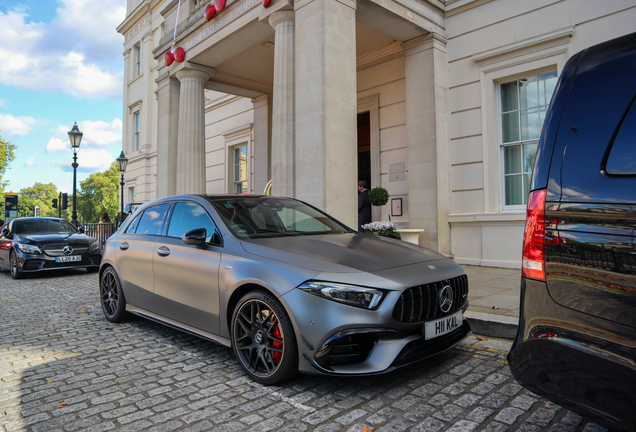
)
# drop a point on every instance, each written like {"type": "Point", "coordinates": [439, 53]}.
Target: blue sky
{"type": "Point", "coordinates": [61, 63]}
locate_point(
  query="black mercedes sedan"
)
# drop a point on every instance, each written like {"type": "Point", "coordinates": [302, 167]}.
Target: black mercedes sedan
{"type": "Point", "coordinates": [34, 244]}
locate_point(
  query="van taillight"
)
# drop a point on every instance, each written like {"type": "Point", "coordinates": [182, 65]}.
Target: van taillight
{"type": "Point", "coordinates": [533, 238]}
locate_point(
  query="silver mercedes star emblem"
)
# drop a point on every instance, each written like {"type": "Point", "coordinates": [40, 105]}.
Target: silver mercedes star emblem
{"type": "Point", "coordinates": [446, 298]}
{"type": "Point", "coordinates": [67, 250]}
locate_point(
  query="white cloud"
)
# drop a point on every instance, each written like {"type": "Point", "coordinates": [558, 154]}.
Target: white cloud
{"type": "Point", "coordinates": [95, 134]}
{"type": "Point", "coordinates": [17, 126]}
{"type": "Point", "coordinates": [31, 162]}
{"type": "Point", "coordinates": [101, 133]}
{"type": "Point", "coordinates": [57, 145]}
{"type": "Point", "coordinates": [89, 160]}
{"type": "Point", "coordinates": [79, 52]}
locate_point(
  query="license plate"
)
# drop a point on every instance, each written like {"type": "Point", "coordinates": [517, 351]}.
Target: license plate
{"type": "Point", "coordinates": [442, 326]}
{"type": "Point", "coordinates": [68, 258]}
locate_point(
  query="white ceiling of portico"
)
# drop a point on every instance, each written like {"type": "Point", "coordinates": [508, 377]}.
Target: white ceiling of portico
{"type": "Point", "coordinates": [256, 63]}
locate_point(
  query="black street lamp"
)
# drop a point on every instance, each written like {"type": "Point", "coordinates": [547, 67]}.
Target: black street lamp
{"type": "Point", "coordinates": [122, 163]}
{"type": "Point", "coordinates": [76, 137]}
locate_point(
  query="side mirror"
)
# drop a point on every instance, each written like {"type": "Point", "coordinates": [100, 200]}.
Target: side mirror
{"type": "Point", "coordinates": [80, 229]}
{"type": "Point", "coordinates": [195, 237]}
{"type": "Point", "coordinates": [6, 233]}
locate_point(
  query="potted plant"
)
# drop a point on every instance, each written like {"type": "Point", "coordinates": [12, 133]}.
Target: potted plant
{"type": "Point", "coordinates": [378, 196]}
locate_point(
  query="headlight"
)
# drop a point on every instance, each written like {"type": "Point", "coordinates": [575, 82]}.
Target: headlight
{"type": "Point", "coordinates": [30, 249]}
{"type": "Point", "coordinates": [367, 298]}
{"type": "Point", "coordinates": [94, 246]}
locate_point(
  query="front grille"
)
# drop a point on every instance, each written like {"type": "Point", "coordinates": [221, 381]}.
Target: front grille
{"type": "Point", "coordinates": [419, 304]}
{"type": "Point", "coordinates": [56, 251]}
{"type": "Point", "coordinates": [346, 349]}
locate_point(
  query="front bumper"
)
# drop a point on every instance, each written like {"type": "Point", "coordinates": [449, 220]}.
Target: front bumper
{"type": "Point", "coordinates": [336, 339]}
{"type": "Point", "coordinates": [29, 263]}
{"type": "Point", "coordinates": [584, 363]}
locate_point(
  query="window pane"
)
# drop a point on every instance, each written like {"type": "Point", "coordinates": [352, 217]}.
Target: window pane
{"type": "Point", "coordinates": [526, 187]}
{"type": "Point", "coordinates": [510, 124]}
{"type": "Point", "coordinates": [529, 153]}
{"type": "Point", "coordinates": [530, 124]}
{"type": "Point", "coordinates": [509, 96]}
{"type": "Point", "coordinates": [546, 88]}
{"type": "Point", "coordinates": [152, 219]}
{"type": "Point", "coordinates": [514, 193]}
{"type": "Point", "coordinates": [528, 93]}
{"type": "Point", "coordinates": [622, 157]}
{"type": "Point", "coordinates": [512, 159]}
{"type": "Point", "coordinates": [189, 216]}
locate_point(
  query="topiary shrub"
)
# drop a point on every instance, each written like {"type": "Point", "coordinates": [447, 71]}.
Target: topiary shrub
{"type": "Point", "coordinates": [378, 196]}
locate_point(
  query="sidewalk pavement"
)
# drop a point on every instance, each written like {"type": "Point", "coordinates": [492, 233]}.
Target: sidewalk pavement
{"type": "Point", "coordinates": [494, 295]}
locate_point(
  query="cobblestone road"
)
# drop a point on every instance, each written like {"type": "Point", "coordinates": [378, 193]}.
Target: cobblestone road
{"type": "Point", "coordinates": [64, 367]}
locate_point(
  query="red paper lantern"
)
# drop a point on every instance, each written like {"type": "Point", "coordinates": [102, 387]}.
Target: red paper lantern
{"type": "Point", "coordinates": [266, 3]}
{"type": "Point", "coordinates": [179, 54]}
{"type": "Point", "coordinates": [168, 58]}
{"type": "Point", "coordinates": [219, 5]}
{"type": "Point", "coordinates": [210, 11]}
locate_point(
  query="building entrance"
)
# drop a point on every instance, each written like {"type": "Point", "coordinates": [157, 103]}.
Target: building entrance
{"type": "Point", "coordinates": [364, 148]}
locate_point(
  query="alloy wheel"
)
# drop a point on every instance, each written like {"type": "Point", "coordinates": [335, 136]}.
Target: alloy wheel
{"type": "Point", "coordinates": [259, 338]}
{"type": "Point", "coordinates": [110, 294]}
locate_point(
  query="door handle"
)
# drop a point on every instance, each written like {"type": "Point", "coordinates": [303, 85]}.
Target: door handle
{"type": "Point", "coordinates": [163, 251]}
{"type": "Point", "coordinates": [124, 246]}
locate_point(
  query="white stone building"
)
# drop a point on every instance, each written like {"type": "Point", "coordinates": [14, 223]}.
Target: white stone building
{"type": "Point", "coordinates": [439, 102]}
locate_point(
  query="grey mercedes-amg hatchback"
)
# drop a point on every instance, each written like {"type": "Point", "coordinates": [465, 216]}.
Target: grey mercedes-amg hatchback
{"type": "Point", "coordinates": [288, 287]}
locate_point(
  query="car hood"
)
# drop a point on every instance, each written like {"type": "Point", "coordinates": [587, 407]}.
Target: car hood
{"type": "Point", "coordinates": [55, 239]}
{"type": "Point", "coordinates": [338, 253]}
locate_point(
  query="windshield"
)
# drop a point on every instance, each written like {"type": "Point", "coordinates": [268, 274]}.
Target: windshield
{"type": "Point", "coordinates": [43, 226]}
{"type": "Point", "coordinates": [273, 217]}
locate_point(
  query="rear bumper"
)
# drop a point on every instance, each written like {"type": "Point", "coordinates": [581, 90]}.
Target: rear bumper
{"type": "Point", "coordinates": [581, 362]}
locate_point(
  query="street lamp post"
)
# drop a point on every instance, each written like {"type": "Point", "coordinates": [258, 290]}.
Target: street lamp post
{"type": "Point", "coordinates": [122, 163]}
{"type": "Point", "coordinates": [76, 137]}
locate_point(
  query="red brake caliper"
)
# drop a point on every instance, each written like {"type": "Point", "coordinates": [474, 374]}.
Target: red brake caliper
{"type": "Point", "coordinates": [276, 332]}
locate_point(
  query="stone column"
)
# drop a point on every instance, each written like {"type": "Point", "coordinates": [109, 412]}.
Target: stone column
{"type": "Point", "coordinates": [168, 89]}
{"type": "Point", "coordinates": [262, 142]}
{"type": "Point", "coordinates": [326, 107]}
{"type": "Point", "coordinates": [283, 149]}
{"type": "Point", "coordinates": [427, 128]}
{"type": "Point", "coordinates": [191, 142]}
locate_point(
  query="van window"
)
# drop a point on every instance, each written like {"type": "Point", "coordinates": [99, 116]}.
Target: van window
{"type": "Point", "coordinates": [622, 156]}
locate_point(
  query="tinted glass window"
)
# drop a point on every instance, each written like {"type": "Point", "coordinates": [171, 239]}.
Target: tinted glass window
{"type": "Point", "coordinates": [274, 217]}
{"type": "Point", "coordinates": [133, 226]}
{"type": "Point", "coordinates": [188, 216]}
{"type": "Point", "coordinates": [151, 220]}
{"type": "Point", "coordinates": [622, 157]}
{"type": "Point", "coordinates": [43, 226]}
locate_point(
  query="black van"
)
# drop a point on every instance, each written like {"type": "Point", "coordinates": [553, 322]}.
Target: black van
{"type": "Point", "coordinates": [576, 344]}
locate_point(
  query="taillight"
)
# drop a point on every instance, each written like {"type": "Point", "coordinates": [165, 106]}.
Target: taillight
{"type": "Point", "coordinates": [534, 237]}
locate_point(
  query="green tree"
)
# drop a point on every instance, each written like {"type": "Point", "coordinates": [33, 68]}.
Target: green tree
{"type": "Point", "coordinates": [6, 156]}
{"type": "Point", "coordinates": [39, 194]}
{"type": "Point", "coordinates": [98, 195]}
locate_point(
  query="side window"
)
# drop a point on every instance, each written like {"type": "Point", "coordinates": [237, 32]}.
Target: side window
{"type": "Point", "coordinates": [187, 216]}
{"type": "Point", "coordinates": [132, 228]}
{"type": "Point", "coordinates": [622, 155]}
{"type": "Point", "coordinates": [151, 221]}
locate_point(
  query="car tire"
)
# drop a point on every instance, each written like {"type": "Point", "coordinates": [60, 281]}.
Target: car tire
{"type": "Point", "coordinates": [263, 339]}
{"type": "Point", "coordinates": [112, 296]}
{"type": "Point", "coordinates": [16, 272]}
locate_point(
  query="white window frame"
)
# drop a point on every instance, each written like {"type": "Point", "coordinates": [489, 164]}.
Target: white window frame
{"type": "Point", "coordinates": [131, 194]}
{"type": "Point", "coordinates": [234, 164]}
{"type": "Point", "coordinates": [521, 142]}
{"type": "Point", "coordinates": [136, 129]}
{"type": "Point", "coordinates": [137, 57]}
{"type": "Point", "coordinates": [237, 138]}
{"type": "Point", "coordinates": [545, 53]}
